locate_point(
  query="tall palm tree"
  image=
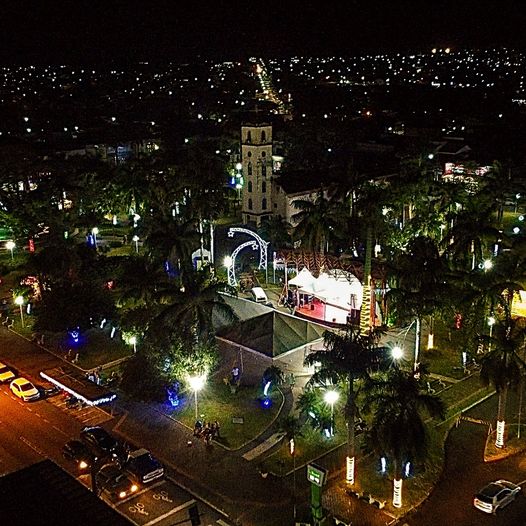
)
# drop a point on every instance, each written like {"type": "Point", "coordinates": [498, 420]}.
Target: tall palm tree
{"type": "Point", "coordinates": [291, 427]}
{"type": "Point", "coordinates": [315, 221]}
{"type": "Point", "coordinates": [277, 231]}
{"type": "Point", "coordinates": [420, 284]}
{"type": "Point", "coordinates": [399, 407]}
{"type": "Point", "coordinates": [187, 310]}
{"type": "Point", "coordinates": [502, 367]}
{"type": "Point", "coordinates": [348, 356]}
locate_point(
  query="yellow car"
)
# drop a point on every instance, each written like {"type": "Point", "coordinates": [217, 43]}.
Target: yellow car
{"type": "Point", "coordinates": [5, 373]}
{"type": "Point", "coordinates": [24, 389]}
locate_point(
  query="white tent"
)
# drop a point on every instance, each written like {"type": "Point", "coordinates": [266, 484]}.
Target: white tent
{"type": "Point", "coordinates": [303, 280]}
{"type": "Point", "coordinates": [336, 287]}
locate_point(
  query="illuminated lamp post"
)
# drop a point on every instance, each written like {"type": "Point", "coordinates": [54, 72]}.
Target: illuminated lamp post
{"type": "Point", "coordinates": [196, 383]}
{"type": "Point", "coordinates": [487, 265]}
{"type": "Point", "coordinates": [136, 240]}
{"type": "Point", "coordinates": [133, 341]}
{"type": "Point", "coordinates": [19, 300]}
{"type": "Point", "coordinates": [331, 397]}
{"type": "Point", "coordinates": [292, 450]}
{"type": "Point", "coordinates": [10, 245]}
{"type": "Point", "coordinates": [95, 231]}
{"type": "Point", "coordinates": [397, 353]}
{"type": "Point", "coordinates": [491, 322]}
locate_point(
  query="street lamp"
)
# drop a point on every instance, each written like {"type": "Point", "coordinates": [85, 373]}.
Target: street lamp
{"type": "Point", "coordinates": [133, 341]}
{"type": "Point", "coordinates": [488, 264]}
{"type": "Point", "coordinates": [331, 397]}
{"type": "Point", "coordinates": [196, 383]}
{"type": "Point", "coordinates": [95, 231]}
{"type": "Point", "coordinates": [292, 450]}
{"type": "Point", "coordinates": [136, 239]}
{"type": "Point", "coordinates": [10, 245]}
{"type": "Point", "coordinates": [397, 352]}
{"type": "Point", "coordinates": [491, 322]}
{"type": "Point", "coordinates": [19, 300]}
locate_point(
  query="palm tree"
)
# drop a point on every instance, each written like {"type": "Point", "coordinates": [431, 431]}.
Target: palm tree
{"type": "Point", "coordinates": [470, 234]}
{"type": "Point", "coordinates": [502, 367]}
{"type": "Point", "coordinates": [187, 310]}
{"type": "Point", "coordinates": [291, 427]}
{"type": "Point", "coordinates": [348, 356]}
{"type": "Point", "coordinates": [315, 221]}
{"type": "Point", "coordinates": [398, 431]}
{"type": "Point", "coordinates": [277, 231]}
{"type": "Point", "coordinates": [420, 284]}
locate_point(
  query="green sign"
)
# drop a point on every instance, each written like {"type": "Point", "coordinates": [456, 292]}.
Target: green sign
{"type": "Point", "coordinates": [316, 474]}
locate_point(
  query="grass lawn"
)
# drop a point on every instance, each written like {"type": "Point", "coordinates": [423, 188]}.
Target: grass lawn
{"type": "Point", "coordinates": [95, 347]}
{"type": "Point", "coordinates": [308, 447]}
{"type": "Point", "coordinates": [216, 402]}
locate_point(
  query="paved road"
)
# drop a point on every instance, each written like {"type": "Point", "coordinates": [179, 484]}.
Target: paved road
{"type": "Point", "coordinates": [450, 503]}
{"type": "Point", "coordinates": [33, 431]}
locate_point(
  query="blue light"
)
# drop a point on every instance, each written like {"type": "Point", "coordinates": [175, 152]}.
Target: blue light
{"type": "Point", "coordinates": [266, 402]}
{"type": "Point", "coordinates": [266, 388]}
{"type": "Point", "coordinates": [90, 240]}
{"type": "Point", "coordinates": [74, 335]}
{"type": "Point", "coordinates": [170, 270]}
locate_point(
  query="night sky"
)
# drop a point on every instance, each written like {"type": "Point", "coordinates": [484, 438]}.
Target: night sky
{"type": "Point", "coordinates": [116, 30]}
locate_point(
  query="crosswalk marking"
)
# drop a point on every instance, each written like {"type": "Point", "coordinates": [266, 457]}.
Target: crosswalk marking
{"type": "Point", "coordinates": [171, 512]}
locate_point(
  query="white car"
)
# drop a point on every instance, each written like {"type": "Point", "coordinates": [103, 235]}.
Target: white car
{"type": "Point", "coordinates": [24, 389]}
{"type": "Point", "coordinates": [5, 373]}
{"type": "Point", "coordinates": [496, 495]}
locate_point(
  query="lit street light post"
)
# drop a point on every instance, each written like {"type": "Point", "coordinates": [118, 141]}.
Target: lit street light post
{"type": "Point", "coordinates": [331, 397]}
{"type": "Point", "coordinates": [10, 245]}
{"type": "Point", "coordinates": [133, 341]}
{"type": "Point", "coordinates": [196, 383]}
{"type": "Point", "coordinates": [397, 353]}
{"type": "Point", "coordinates": [136, 240]}
{"type": "Point", "coordinates": [95, 231]}
{"type": "Point", "coordinates": [491, 322]}
{"type": "Point", "coordinates": [19, 300]}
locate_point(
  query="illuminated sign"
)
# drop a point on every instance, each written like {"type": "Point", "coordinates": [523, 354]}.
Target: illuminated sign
{"type": "Point", "coordinates": [316, 474]}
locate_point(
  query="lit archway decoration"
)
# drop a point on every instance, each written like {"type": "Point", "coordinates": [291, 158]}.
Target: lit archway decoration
{"type": "Point", "coordinates": [257, 243]}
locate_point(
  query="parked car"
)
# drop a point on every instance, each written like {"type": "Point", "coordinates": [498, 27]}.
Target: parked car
{"type": "Point", "coordinates": [143, 467]}
{"type": "Point", "coordinates": [113, 481]}
{"type": "Point", "coordinates": [24, 389]}
{"type": "Point", "coordinates": [258, 295]}
{"type": "Point", "coordinates": [78, 452]}
{"type": "Point", "coordinates": [496, 495]}
{"type": "Point", "coordinates": [100, 442]}
{"type": "Point", "coordinates": [5, 373]}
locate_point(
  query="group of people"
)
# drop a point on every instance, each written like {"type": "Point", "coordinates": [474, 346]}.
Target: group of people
{"type": "Point", "coordinates": [207, 431]}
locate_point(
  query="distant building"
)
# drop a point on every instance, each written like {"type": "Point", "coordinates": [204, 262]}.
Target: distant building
{"type": "Point", "coordinates": [256, 160]}
{"type": "Point", "coordinates": [266, 192]}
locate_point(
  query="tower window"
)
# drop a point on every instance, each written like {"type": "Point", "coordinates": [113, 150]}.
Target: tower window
{"type": "Point", "coordinates": [263, 187]}
{"type": "Point", "coordinates": [249, 169]}
{"type": "Point", "coordinates": [264, 203]}
{"type": "Point", "coordinates": [249, 154]}
{"type": "Point", "coordinates": [250, 204]}
{"type": "Point", "coordinates": [263, 154]}
{"type": "Point", "coordinates": [249, 137]}
{"type": "Point", "coordinates": [264, 169]}
{"type": "Point", "coordinates": [263, 136]}
{"type": "Point", "coordinates": [250, 186]}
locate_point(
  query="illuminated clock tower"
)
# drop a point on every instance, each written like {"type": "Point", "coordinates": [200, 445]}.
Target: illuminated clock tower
{"type": "Point", "coordinates": [256, 158]}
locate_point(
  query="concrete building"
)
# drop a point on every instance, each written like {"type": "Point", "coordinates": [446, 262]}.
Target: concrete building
{"type": "Point", "coordinates": [266, 192]}
{"type": "Point", "coordinates": [256, 160]}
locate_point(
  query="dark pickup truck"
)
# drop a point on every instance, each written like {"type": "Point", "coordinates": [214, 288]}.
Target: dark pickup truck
{"type": "Point", "coordinates": [142, 467]}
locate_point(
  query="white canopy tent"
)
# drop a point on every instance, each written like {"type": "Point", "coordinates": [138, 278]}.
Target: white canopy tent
{"type": "Point", "coordinates": [337, 288]}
